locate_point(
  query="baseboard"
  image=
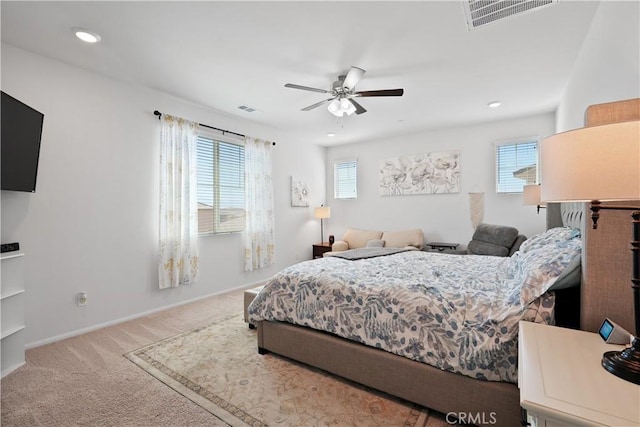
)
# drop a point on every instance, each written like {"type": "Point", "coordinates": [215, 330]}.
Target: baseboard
{"type": "Point", "coordinates": [10, 369]}
{"type": "Point", "coordinates": [135, 316]}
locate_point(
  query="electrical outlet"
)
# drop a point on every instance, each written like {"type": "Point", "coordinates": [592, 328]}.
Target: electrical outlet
{"type": "Point", "coordinates": [82, 299]}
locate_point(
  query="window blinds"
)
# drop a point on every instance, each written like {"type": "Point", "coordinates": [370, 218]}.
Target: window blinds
{"type": "Point", "coordinates": [220, 186]}
{"type": "Point", "coordinates": [346, 179]}
{"type": "Point", "coordinates": [516, 165]}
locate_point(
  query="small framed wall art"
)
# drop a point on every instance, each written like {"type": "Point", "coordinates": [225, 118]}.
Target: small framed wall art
{"type": "Point", "coordinates": [299, 193]}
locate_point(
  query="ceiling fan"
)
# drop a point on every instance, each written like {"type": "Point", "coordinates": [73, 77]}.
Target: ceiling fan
{"type": "Point", "coordinates": [343, 93]}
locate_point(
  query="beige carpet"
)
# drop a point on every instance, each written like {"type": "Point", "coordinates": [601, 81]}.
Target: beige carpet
{"type": "Point", "coordinates": [218, 367]}
{"type": "Point", "coordinates": [86, 381]}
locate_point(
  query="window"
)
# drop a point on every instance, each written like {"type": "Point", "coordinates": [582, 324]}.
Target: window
{"type": "Point", "coordinates": [220, 185]}
{"type": "Point", "coordinates": [516, 165]}
{"type": "Point", "coordinates": [345, 179]}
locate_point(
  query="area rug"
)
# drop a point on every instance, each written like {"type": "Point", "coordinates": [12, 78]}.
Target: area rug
{"type": "Point", "coordinates": [218, 367]}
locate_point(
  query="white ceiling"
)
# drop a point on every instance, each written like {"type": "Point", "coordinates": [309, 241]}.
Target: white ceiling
{"type": "Point", "coordinates": [226, 54]}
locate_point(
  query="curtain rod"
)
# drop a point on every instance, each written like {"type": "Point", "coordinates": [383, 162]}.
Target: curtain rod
{"type": "Point", "coordinates": [159, 114]}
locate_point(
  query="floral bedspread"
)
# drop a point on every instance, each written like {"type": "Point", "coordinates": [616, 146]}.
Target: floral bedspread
{"type": "Point", "coordinates": [459, 313]}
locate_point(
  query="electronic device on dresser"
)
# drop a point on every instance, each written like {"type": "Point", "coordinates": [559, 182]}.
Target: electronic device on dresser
{"type": "Point", "coordinates": [612, 333]}
{"type": "Point", "coordinates": [9, 247]}
{"type": "Point", "coordinates": [21, 134]}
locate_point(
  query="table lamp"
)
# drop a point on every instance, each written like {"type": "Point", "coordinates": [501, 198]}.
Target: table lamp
{"type": "Point", "coordinates": [531, 196]}
{"type": "Point", "coordinates": [599, 164]}
{"type": "Point", "coordinates": [322, 213]}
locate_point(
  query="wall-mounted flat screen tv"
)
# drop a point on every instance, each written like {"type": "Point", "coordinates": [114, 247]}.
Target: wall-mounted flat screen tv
{"type": "Point", "coordinates": [21, 132]}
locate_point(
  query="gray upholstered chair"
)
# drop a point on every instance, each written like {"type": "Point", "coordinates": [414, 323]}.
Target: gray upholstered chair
{"type": "Point", "coordinates": [496, 240]}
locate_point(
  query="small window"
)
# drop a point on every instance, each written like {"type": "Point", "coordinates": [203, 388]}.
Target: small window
{"type": "Point", "coordinates": [346, 179]}
{"type": "Point", "coordinates": [516, 165]}
{"type": "Point", "coordinates": [220, 185]}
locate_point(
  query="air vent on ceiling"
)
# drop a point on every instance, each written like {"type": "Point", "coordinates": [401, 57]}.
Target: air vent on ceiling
{"type": "Point", "coordinates": [482, 12]}
{"type": "Point", "coordinates": [247, 108]}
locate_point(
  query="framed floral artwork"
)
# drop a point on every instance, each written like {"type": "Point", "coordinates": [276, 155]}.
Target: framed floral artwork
{"type": "Point", "coordinates": [430, 173]}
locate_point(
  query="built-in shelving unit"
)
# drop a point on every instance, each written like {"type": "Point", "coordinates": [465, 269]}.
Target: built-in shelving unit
{"type": "Point", "coordinates": [12, 312]}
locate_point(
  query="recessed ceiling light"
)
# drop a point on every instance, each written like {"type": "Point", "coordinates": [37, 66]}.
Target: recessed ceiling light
{"type": "Point", "coordinates": [331, 134]}
{"type": "Point", "coordinates": [494, 104]}
{"type": "Point", "coordinates": [86, 35]}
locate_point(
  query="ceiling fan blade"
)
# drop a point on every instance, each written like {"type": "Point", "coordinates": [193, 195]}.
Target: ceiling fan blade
{"type": "Point", "coordinates": [317, 104]}
{"type": "Point", "coordinates": [353, 77]}
{"type": "Point", "coordinates": [312, 89]}
{"type": "Point", "coordinates": [384, 92]}
{"type": "Point", "coordinates": [359, 108]}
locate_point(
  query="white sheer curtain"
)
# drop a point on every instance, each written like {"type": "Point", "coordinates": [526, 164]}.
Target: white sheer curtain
{"type": "Point", "coordinates": [178, 204]}
{"type": "Point", "coordinates": [259, 235]}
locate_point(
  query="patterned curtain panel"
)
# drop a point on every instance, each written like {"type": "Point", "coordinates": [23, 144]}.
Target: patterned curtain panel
{"type": "Point", "coordinates": [259, 235]}
{"type": "Point", "coordinates": [178, 206]}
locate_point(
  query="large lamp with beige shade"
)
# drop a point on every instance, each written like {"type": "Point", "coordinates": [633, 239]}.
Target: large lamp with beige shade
{"type": "Point", "coordinates": [601, 164]}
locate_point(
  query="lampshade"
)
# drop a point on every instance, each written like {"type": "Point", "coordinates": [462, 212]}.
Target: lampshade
{"type": "Point", "coordinates": [323, 212]}
{"type": "Point", "coordinates": [334, 108]}
{"type": "Point", "coordinates": [348, 107]}
{"type": "Point", "coordinates": [341, 106]}
{"type": "Point", "coordinates": [594, 163]}
{"type": "Point", "coordinates": [531, 195]}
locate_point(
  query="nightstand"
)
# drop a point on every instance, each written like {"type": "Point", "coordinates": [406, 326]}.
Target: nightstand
{"type": "Point", "coordinates": [319, 249]}
{"type": "Point", "coordinates": [562, 382]}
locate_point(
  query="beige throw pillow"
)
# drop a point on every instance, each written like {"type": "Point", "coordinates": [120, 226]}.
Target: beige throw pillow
{"type": "Point", "coordinates": [359, 238]}
{"type": "Point", "coordinates": [400, 239]}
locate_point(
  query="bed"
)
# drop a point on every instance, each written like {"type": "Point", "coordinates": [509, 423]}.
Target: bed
{"type": "Point", "coordinates": [436, 329]}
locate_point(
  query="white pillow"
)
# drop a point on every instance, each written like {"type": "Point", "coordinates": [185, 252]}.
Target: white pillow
{"type": "Point", "coordinates": [375, 243]}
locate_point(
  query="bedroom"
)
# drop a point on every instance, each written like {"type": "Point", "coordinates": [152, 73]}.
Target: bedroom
{"type": "Point", "coordinates": [98, 234]}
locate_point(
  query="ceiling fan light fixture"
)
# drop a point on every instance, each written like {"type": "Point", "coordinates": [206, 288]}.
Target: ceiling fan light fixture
{"type": "Point", "coordinates": [335, 108]}
{"type": "Point", "coordinates": [341, 106]}
{"type": "Point", "coordinates": [343, 94]}
{"type": "Point", "coordinates": [350, 109]}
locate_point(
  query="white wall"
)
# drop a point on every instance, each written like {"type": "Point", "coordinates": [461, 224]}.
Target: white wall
{"type": "Point", "coordinates": [442, 217]}
{"type": "Point", "coordinates": [608, 67]}
{"type": "Point", "coordinates": [92, 223]}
